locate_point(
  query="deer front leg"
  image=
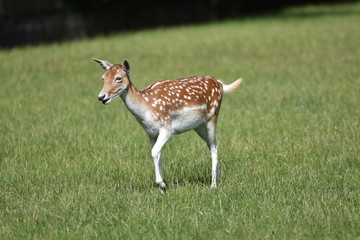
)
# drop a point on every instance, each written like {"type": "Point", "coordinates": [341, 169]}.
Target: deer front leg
{"type": "Point", "coordinates": [164, 136]}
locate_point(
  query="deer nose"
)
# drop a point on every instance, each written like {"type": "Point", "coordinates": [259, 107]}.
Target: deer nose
{"type": "Point", "coordinates": [101, 97]}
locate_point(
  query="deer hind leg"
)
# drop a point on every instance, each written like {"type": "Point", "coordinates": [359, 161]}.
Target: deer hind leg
{"type": "Point", "coordinates": [208, 133]}
{"type": "Point", "coordinates": [158, 144]}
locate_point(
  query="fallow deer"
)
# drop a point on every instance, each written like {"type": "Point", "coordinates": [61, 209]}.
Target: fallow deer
{"type": "Point", "coordinates": [169, 107]}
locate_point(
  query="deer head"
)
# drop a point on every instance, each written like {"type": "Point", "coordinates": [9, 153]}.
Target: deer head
{"type": "Point", "coordinates": [116, 80]}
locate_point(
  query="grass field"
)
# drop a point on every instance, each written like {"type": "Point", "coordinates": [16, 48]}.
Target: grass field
{"type": "Point", "coordinates": [289, 138]}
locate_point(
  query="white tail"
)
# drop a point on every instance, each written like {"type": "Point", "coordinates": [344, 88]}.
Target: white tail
{"type": "Point", "coordinates": [169, 107]}
{"type": "Point", "coordinates": [233, 86]}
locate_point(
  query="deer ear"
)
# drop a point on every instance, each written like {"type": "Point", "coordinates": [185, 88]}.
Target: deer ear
{"type": "Point", "coordinates": [126, 66]}
{"type": "Point", "coordinates": [104, 64]}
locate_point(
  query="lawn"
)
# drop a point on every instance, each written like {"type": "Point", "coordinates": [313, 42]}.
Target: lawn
{"type": "Point", "coordinates": [289, 137]}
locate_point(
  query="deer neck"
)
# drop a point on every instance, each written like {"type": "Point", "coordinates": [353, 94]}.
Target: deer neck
{"type": "Point", "coordinates": [134, 102]}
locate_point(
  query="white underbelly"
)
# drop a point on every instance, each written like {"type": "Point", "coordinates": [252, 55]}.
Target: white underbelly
{"type": "Point", "coordinates": [186, 123]}
{"type": "Point", "coordinates": [187, 119]}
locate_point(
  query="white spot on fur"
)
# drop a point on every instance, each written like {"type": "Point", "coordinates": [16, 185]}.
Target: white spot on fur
{"type": "Point", "coordinates": [155, 84]}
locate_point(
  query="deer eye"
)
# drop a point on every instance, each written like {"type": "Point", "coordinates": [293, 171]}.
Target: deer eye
{"type": "Point", "coordinates": [118, 79]}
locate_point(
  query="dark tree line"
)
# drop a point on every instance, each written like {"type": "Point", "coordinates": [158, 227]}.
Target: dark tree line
{"type": "Point", "coordinates": [37, 21]}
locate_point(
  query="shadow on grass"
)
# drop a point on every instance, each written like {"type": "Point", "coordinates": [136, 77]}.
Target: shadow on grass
{"type": "Point", "coordinates": [194, 180]}
{"type": "Point", "coordinates": [198, 174]}
{"type": "Point", "coordinates": [123, 182]}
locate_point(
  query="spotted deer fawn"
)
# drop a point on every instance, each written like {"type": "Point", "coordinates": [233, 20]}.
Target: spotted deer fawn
{"type": "Point", "coordinates": [169, 107]}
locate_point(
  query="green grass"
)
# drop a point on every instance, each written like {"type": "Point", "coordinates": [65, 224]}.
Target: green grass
{"type": "Point", "coordinates": [71, 168]}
